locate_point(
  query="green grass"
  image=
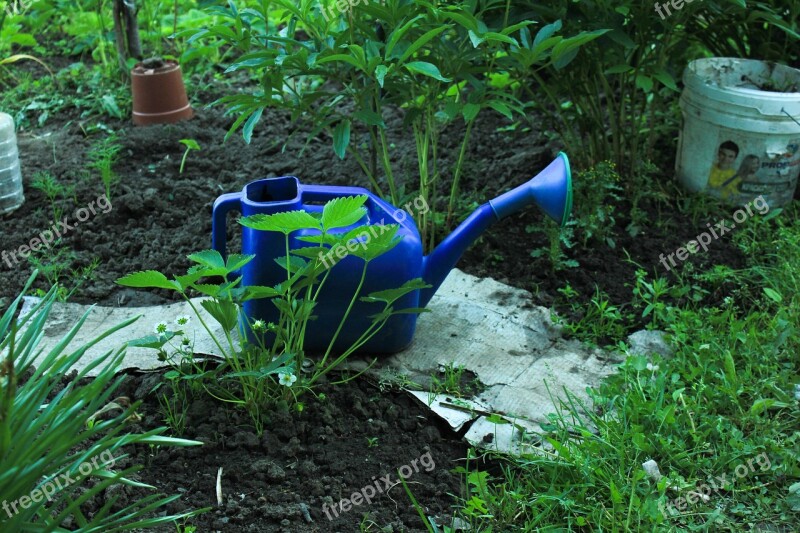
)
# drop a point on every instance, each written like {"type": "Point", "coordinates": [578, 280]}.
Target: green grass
{"type": "Point", "coordinates": [720, 418]}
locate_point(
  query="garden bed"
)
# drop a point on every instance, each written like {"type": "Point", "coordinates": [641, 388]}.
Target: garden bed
{"type": "Point", "coordinates": [281, 481]}
{"type": "Point", "coordinates": [349, 438]}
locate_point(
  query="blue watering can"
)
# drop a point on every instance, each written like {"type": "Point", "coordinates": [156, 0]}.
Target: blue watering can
{"type": "Point", "coordinates": [551, 190]}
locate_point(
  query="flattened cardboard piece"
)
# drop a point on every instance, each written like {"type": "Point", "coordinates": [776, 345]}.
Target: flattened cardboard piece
{"type": "Point", "coordinates": [63, 316]}
{"type": "Point", "coordinates": [489, 328]}
{"type": "Point", "coordinates": [515, 350]}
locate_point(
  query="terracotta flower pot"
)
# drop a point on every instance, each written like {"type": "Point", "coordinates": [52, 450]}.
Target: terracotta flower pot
{"type": "Point", "coordinates": [159, 96]}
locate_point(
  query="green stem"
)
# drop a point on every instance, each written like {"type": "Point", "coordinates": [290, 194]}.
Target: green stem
{"type": "Point", "coordinates": [205, 326]}
{"type": "Point", "coordinates": [457, 174]}
{"type": "Point", "coordinates": [346, 314]}
{"type": "Point", "coordinates": [387, 166]}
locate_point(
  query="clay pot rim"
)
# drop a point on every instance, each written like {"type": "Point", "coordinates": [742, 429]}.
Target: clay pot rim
{"type": "Point", "coordinates": [169, 65]}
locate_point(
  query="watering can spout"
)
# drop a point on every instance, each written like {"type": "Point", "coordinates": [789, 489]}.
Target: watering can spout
{"type": "Point", "coordinates": [551, 190]}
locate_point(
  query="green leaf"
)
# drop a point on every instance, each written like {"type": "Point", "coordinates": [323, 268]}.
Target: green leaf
{"type": "Point", "coordinates": [423, 39]}
{"type": "Point", "coordinates": [295, 264]}
{"type": "Point", "coordinates": [148, 279]}
{"type": "Point", "coordinates": [375, 240]}
{"type": "Point", "coordinates": [389, 296]}
{"type": "Point", "coordinates": [191, 144]}
{"type": "Point", "coordinates": [224, 312]}
{"type": "Point", "coordinates": [645, 83]}
{"type": "Point", "coordinates": [426, 69]}
{"type": "Point", "coordinates": [764, 404]}
{"type": "Point", "coordinates": [546, 32]}
{"type": "Point", "coordinates": [501, 108]}
{"type": "Point", "coordinates": [470, 111]}
{"type": "Point", "coordinates": [237, 261]}
{"type": "Point", "coordinates": [285, 222]}
{"type": "Point", "coordinates": [253, 292]}
{"type": "Point", "coordinates": [247, 130]}
{"type": "Point", "coordinates": [369, 117]}
{"type": "Point", "coordinates": [350, 60]}
{"type": "Point", "coordinates": [155, 342]}
{"type": "Point", "coordinates": [208, 258]}
{"type": "Point", "coordinates": [397, 34]}
{"type": "Point", "coordinates": [380, 73]}
{"type": "Point", "coordinates": [343, 211]}
{"type": "Point", "coordinates": [666, 79]}
{"type": "Point", "coordinates": [341, 138]}
{"type": "Point", "coordinates": [773, 295]}
{"type": "Point", "coordinates": [476, 39]}
{"type": "Point", "coordinates": [618, 69]}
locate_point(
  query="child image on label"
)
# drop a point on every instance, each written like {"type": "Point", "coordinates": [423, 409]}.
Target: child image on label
{"type": "Point", "coordinates": [723, 170]}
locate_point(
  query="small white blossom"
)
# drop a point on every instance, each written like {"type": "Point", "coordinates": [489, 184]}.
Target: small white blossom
{"type": "Point", "coordinates": [286, 380]}
{"type": "Point", "coordinates": [182, 321]}
{"type": "Point", "coordinates": [652, 368]}
{"type": "Point", "coordinates": [161, 328]}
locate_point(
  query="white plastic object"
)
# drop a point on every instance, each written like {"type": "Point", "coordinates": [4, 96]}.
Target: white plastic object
{"type": "Point", "coordinates": [11, 196]}
{"type": "Point", "coordinates": [741, 130]}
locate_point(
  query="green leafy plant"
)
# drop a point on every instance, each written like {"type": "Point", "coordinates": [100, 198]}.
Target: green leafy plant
{"type": "Point", "coordinates": [45, 434]}
{"type": "Point", "coordinates": [190, 145]}
{"type": "Point", "coordinates": [53, 189]}
{"type": "Point", "coordinates": [558, 239]}
{"type": "Point", "coordinates": [598, 322]}
{"type": "Point", "coordinates": [56, 265]}
{"type": "Point", "coordinates": [344, 72]}
{"type": "Point", "coordinates": [650, 297]}
{"type": "Point", "coordinates": [266, 369]}
{"type": "Point", "coordinates": [102, 157]}
{"type": "Point", "coordinates": [596, 198]}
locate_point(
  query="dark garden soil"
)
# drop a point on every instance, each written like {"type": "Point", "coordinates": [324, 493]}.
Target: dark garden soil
{"type": "Point", "coordinates": [349, 439]}
{"type": "Point", "coordinates": [280, 482]}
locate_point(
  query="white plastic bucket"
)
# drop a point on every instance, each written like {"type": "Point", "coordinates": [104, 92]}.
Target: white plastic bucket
{"type": "Point", "coordinates": [11, 196]}
{"type": "Point", "coordinates": [740, 137]}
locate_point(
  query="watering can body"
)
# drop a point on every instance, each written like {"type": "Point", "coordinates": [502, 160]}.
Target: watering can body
{"type": "Point", "coordinates": [550, 189]}
{"type": "Point", "coordinates": [402, 263]}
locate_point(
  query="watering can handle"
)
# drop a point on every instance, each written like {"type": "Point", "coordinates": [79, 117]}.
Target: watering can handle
{"type": "Point", "coordinates": [222, 206]}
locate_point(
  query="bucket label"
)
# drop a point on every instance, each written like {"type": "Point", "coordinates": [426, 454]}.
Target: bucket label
{"type": "Point", "coordinates": [742, 169]}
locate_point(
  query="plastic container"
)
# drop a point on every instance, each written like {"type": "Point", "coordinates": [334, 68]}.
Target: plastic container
{"type": "Point", "coordinates": [11, 196]}
{"type": "Point", "coordinates": [741, 136]}
{"type": "Point", "coordinates": [551, 190]}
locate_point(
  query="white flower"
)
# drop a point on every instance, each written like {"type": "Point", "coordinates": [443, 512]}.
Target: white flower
{"type": "Point", "coordinates": [161, 328]}
{"type": "Point", "coordinates": [652, 368]}
{"type": "Point", "coordinates": [182, 321]}
{"type": "Point", "coordinates": [286, 380]}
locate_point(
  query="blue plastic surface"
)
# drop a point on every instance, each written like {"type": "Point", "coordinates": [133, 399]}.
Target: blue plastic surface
{"type": "Point", "coordinates": [551, 189]}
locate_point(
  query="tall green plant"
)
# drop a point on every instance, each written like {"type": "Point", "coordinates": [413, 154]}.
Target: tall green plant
{"type": "Point", "coordinates": [266, 370]}
{"type": "Point", "coordinates": [614, 102]}
{"type": "Point", "coordinates": [344, 70]}
{"type": "Point", "coordinates": [46, 438]}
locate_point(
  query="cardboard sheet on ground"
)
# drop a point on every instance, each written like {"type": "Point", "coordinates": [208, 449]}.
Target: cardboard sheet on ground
{"type": "Point", "coordinates": [487, 327]}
